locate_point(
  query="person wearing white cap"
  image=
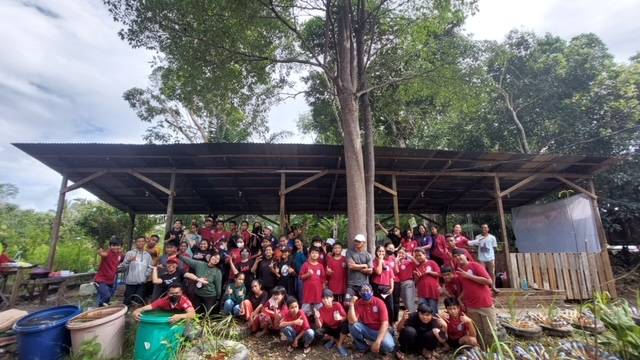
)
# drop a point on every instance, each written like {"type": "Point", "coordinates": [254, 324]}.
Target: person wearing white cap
{"type": "Point", "coordinates": [360, 264]}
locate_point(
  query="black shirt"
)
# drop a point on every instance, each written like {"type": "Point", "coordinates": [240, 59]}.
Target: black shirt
{"type": "Point", "coordinates": [169, 279]}
{"type": "Point", "coordinates": [421, 327]}
{"type": "Point", "coordinates": [265, 274]}
{"type": "Point", "coordinates": [258, 300]}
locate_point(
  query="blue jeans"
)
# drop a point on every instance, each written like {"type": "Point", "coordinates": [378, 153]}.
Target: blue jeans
{"type": "Point", "coordinates": [291, 334]}
{"type": "Point", "coordinates": [360, 332]}
{"type": "Point", "coordinates": [229, 307]}
{"type": "Point", "coordinates": [104, 293]}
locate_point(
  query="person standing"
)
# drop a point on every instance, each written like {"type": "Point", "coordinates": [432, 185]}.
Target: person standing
{"type": "Point", "coordinates": [477, 298]}
{"type": "Point", "coordinates": [486, 254]}
{"type": "Point", "coordinates": [461, 240]}
{"type": "Point", "coordinates": [312, 275]}
{"type": "Point", "coordinates": [337, 273]}
{"type": "Point", "coordinates": [382, 279]}
{"type": "Point", "coordinates": [172, 275]}
{"type": "Point", "coordinates": [105, 279]}
{"type": "Point", "coordinates": [438, 247]}
{"type": "Point", "coordinates": [427, 275]}
{"type": "Point", "coordinates": [206, 233]}
{"type": "Point", "coordinates": [208, 278]}
{"type": "Point", "coordinates": [266, 269]}
{"type": "Point", "coordinates": [176, 233]}
{"type": "Point", "coordinates": [137, 263]}
{"type": "Point", "coordinates": [360, 265]}
{"type": "Point", "coordinates": [404, 267]}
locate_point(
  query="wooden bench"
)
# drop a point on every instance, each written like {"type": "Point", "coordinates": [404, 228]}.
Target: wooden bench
{"type": "Point", "coordinates": [63, 282]}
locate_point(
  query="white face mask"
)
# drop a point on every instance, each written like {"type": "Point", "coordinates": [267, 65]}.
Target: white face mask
{"type": "Point", "coordinates": [240, 244]}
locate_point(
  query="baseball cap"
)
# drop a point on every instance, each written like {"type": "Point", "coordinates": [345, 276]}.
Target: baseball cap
{"type": "Point", "coordinates": [327, 293]}
{"type": "Point", "coordinates": [360, 237]}
{"type": "Point", "coordinates": [115, 240]}
{"type": "Point", "coordinates": [173, 261]}
{"type": "Point", "coordinates": [269, 227]}
{"type": "Point", "coordinates": [331, 241]}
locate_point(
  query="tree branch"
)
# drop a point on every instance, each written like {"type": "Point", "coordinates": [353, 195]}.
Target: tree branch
{"type": "Point", "coordinates": [387, 83]}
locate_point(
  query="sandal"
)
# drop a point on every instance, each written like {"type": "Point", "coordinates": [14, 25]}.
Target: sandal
{"type": "Point", "coordinates": [306, 350]}
{"type": "Point", "coordinates": [400, 355]}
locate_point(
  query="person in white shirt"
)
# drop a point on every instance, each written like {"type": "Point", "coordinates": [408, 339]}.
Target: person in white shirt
{"type": "Point", "coordinates": [486, 255]}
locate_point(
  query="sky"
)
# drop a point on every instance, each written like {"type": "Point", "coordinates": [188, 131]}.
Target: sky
{"type": "Point", "coordinates": [63, 70]}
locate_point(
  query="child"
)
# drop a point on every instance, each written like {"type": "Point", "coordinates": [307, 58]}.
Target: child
{"type": "Point", "coordinates": [337, 273]}
{"type": "Point", "coordinates": [460, 329]}
{"type": "Point", "coordinates": [234, 295]}
{"type": "Point", "coordinates": [452, 287]}
{"type": "Point", "coordinates": [313, 276]}
{"type": "Point", "coordinates": [426, 276]}
{"type": "Point", "coordinates": [288, 274]}
{"type": "Point", "coordinates": [295, 326]}
{"type": "Point", "coordinates": [108, 271]}
{"type": "Point", "coordinates": [404, 268]}
{"type": "Point", "coordinates": [273, 310]}
{"type": "Point", "coordinates": [408, 242]}
{"type": "Point", "coordinates": [331, 323]}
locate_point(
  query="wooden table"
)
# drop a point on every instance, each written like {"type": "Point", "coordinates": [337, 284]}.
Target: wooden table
{"type": "Point", "coordinates": [21, 279]}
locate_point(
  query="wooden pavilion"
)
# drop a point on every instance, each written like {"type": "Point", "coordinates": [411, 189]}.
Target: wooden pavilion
{"type": "Point", "coordinates": [283, 179]}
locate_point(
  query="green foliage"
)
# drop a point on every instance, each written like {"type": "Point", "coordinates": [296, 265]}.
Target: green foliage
{"type": "Point", "coordinates": [89, 350]}
{"type": "Point", "coordinates": [623, 335]}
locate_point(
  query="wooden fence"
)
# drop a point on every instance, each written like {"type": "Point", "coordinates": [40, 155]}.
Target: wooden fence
{"type": "Point", "coordinates": [579, 275]}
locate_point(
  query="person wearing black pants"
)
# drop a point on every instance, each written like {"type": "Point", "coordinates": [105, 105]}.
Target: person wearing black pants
{"type": "Point", "coordinates": [382, 280]}
{"type": "Point", "coordinates": [420, 333]}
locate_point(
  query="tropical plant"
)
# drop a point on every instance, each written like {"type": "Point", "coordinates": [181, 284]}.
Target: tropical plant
{"type": "Point", "coordinates": [623, 335]}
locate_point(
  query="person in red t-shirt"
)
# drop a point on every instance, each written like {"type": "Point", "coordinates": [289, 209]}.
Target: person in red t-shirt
{"type": "Point", "coordinates": [439, 247]}
{"type": "Point", "coordinates": [337, 273]}
{"type": "Point", "coordinates": [312, 275]}
{"type": "Point", "coordinates": [448, 258]}
{"type": "Point", "coordinates": [105, 279]}
{"type": "Point", "coordinates": [382, 278]}
{"type": "Point", "coordinates": [460, 329]}
{"type": "Point", "coordinates": [461, 240]}
{"type": "Point", "coordinates": [174, 301]}
{"type": "Point", "coordinates": [408, 242]}
{"type": "Point", "coordinates": [369, 321]}
{"type": "Point", "coordinates": [477, 296]}
{"type": "Point", "coordinates": [295, 326]}
{"type": "Point", "coordinates": [452, 286]}
{"type": "Point", "coordinates": [427, 275]}
{"type": "Point", "coordinates": [207, 231]}
{"type": "Point", "coordinates": [273, 310]}
{"type": "Point", "coordinates": [220, 236]}
{"type": "Point", "coordinates": [331, 323]}
{"type": "Point", "coordinates": [404, 267]}
{"type": "Point", "coordinates": [244, 232]}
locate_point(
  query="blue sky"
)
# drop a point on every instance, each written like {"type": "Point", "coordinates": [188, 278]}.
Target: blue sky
{"type": "Point", "coordinates": [63, 70]}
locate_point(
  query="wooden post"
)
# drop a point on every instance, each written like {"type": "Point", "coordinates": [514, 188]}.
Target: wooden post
{"type": "Point", "coordinates": [283, 186]}
{"type": "Point", "coordinates": [57, 222]}
{"type": "Point", "coordinates": [396, 211]}
{"type": "Point", "coordinates": [172, 195]}
{"type": "Point", "coordinates": [602, 235]}
{"type": "Point", "coordinates": [131, 228]}
{"type": "Point", "coordinates": [444, 219]}
{"type": "Point", "coordinates": [503, 227]}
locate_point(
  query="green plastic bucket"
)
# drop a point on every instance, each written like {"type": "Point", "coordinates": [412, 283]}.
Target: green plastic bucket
{"type": "Point", "coordinates": [156, 339]}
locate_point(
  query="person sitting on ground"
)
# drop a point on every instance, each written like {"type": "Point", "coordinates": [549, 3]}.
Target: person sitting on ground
{"type": "Point", "coordinates": [369, 321]}
{"type": "Point", "coordinates": [312, 275]}
{"type": "Point", "coordinates": [137, 262]}
{"type": "Point", "coordinates": [273, 311]}
{"type": "Point", "coordinates": [486, 253]}
{"type": "Point", "coordinates": [234, 295]}
{"type": "Point", "coordinates": [427, 276]}
{"type": "Point", "coordinates": [295, 327]}
{"type": "Point", "coordinates": [331, 323]}
{"type": "Point", "coordinates": [208, 278]}
{"type": "Point", "coordinates": [174, 301]}
{"type": "Point", "coordinates": [105, 279]}
{"type": "Point", "coordinates": [460, 329]}
{"type": "Point", "coordinates": [477, 296]}
{"type": "Point", "coordinates": [337, 273]}
{"type": "Point", "coordinates": [253, 304]}
{"type": "Point", "coordinates": [164, 281]}
{"type": "Point", "coordinates": [404, 267]}
{"type": "Point", "coordinates": [421, 332]}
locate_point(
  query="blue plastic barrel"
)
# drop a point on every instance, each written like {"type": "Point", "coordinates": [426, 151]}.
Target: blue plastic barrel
{"type": "Point", "coordinates": [43, 335]}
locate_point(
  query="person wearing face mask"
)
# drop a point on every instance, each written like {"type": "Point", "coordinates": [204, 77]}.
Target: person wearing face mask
{"type": "Point", "coordinates": [174, 301]}
{"type": "Point", "coordinates": [234, 253]}
{"type": "Point", "coordinates": [369, 321]}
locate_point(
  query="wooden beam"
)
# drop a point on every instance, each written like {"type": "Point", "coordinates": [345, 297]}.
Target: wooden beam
{"type": "Point", "coordinates": [428, 219]}
{"type": "Point", "coordinates": [421, 193]}
{"type": "Point", "coordinates": [385, 189]}
{"type": "Point", "coordinates": [610, 284]}
{"type": "Point", "coordinates": [83, 181]}
{"type": "Point", "coordinates": [577, 187]}
{"type": "Point", "coordinates": [131, 229]}
{"type": "Point", "coordinates": [57, 222]}
{"type": "Point", "coordinates": [520, 184]}
{"type": "Point", "coordinates": [334, 185]}
{"type": "Point", "coordinates": [283, 194]}
{"type": "Point", "coordinates": [172, 195]}
{"type": "Point", "coordinates": [151, 182]}
{"type": "Point", "coordinates": [303, 182]}
{"type": "Point", "coordinates": [503, 227]}
{"type": "Point", "coordinates": [396, 210]}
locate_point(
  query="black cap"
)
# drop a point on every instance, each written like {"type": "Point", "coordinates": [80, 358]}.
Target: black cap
{"type": "Point", "coordinates": [327, 293]}
{"type": "Point", "coordinates": [115, 241]}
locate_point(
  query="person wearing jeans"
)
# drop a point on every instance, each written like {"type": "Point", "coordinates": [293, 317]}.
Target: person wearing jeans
{"type": "Point", "coordinates": [106, 277]}
{"type": "Point", "coordinates": [137, 262]}
{"type": "Point", "coordinates": [295, 327]}
{"type": "Point", "coordinates": [234, 296]}
{"type": "Point", "coordinates": [427, 274]}
{"type": "Point", "coordinates": [369, 321]}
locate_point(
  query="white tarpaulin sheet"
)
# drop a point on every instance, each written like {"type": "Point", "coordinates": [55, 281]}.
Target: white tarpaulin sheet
{"type": "Point", "coordinates": [567, 225]}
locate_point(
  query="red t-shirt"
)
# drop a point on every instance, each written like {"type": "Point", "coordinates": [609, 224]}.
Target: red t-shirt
{"type": "Point", "coordinates": [476, 295]}
{"type": "Point", "coordinates": [427, 285]}
{"type": "Point", "coordinates": [164, 304]}
{"type": "Point", "coordinates": [288, 316]}
{"type": "Point", "coordinates": [462, 241]}
{"type": "Point", "coordinates": [246, 235]}
{"type": "Point", "coordinates": [328, 315]}
{"type": "Point", "coordinates": [405, 270]}
{"type": "Point", "coordinates": [386, 278]}
{"type": "Point", "coordinates": [409, 245]}
{"type": "Point", "coordinates": [207, 234]}
{"type": "Point", "coordinates": [235, 256]}
{"type": "Point", "coordinates": [456, 328]}
{"type": "Point", "coordinates": [439, 248]}
{"type": "Point", "coordinates": [450, 260]}
{"type": "Point", "coordinates": [218, 236]}
{"type": "Point", "coordinates": [371, 313]}
{"type": "Point", "coordinates": [454, 287]}
{"type": "Point", "coordinates": [337, 281]}
{"type": "Point", "coordinates": [312, 286]}
{"type": "Point", "coordinates": [108, 269]}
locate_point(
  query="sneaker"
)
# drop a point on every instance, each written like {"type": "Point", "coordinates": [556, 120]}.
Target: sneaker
{"type": "Point", "coordinates": [343, 352]}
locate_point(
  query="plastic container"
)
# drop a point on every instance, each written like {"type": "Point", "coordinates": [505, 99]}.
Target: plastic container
{"type": "Point", "coordinates": [156, 338]}
{"type": "Point", "coordinates": [42, 335]}
{"type": "Point", "coordinates": [105, 325]}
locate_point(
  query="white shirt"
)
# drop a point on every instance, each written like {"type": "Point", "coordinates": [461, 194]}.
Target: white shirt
{"type": "Point", "coordinates": [485, 247]}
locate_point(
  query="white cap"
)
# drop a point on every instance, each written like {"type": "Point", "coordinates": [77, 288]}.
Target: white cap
{"type": "Point", "coordinates": [330, 241]}
{"type": "Point", "coordinates": [360, 237]}
{"type": "Point", "coordinates": [270, 227]}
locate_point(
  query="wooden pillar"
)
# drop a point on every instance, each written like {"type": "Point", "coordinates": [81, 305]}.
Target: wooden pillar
{"type": "Point", "coordinates": [172, 195]}
{"type": "Point", "coordinates": [503, 228]}
{"type": "Point", "coordinates": [283, 213]}
{"type": "Point", "coordinates": [396, 210]}
{"type": "Point", "coordinates": [444, 219]}
{"type": "Point", "coordinates": [57, 222]}
{"type": "Point", "coordinates": [602, 235]}
{"type": "Point", "coordinates": [131, 229]}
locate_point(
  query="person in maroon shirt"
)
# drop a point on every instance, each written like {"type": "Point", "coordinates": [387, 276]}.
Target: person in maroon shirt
{"type": "Point", "coordinates": [233, 228]}
{"type": "Point", "coordinates": [448, 258]}
{"type": "Point", "coordinates": [174, 301]}
{"type": "Point", "coordinates": [461, 240]}
{"type": "Point", "coordinates": [331, 323]}
{"type": "Point", "coordinates": [427, 276]}
{"type": "Point", "coordinates": [105, 279]}
{"type": "Point", "coordinates": [404, 267]}
{"type": "Point", "coordinates": [439, 246]}
{"type": "Point", "coordinates": [207, 231]}
{"type": "Point", "coordinates": [369, 321]}
{"type": "Point", "coordinates": [295, 326]}
{"type": "Point", "coordinates": [460, 329]}
{"type": "Point", "coordinates": [220, 236]}
{"type": "Point", "coordinates": [312, 274]}
{"type": "Point", "coordinates": [408, 242]}
{"type": "Point", "coordinates": [452, 286]}
{"type": "Point", "coordinates": [244, 232]}
{"type": "Point", "coordinates": [382, 279]}
{"type": "Point", "coordinates": [477, 296]}
{"type": "Point", "coordinates": [337, 273]}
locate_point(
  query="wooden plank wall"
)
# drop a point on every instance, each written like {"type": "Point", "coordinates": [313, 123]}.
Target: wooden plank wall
{"type": "Point", "coordinates": [579, 275]}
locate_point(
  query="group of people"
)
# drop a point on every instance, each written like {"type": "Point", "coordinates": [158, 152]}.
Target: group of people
{"type": "Point", "coordinates": [319, 293]}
